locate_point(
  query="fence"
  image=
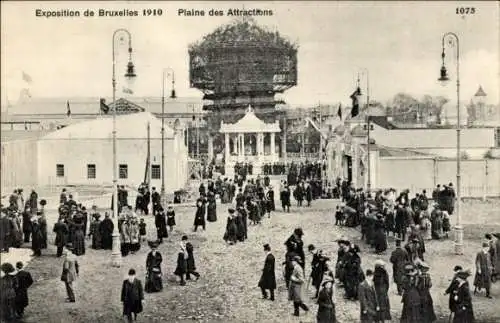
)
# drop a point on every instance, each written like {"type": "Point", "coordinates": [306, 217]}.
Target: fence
{"type": "Point", "coordinates": [479, 178]}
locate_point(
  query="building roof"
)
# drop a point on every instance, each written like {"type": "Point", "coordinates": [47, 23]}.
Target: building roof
{"type": "Point", "coordinates": [129, 126]}
{"type": "Point", "coordinates": [480, 92]}
{"type": "Point", "coordinates": [249, 123]}
{"type": "Point", "coordinates": [91, 105]}
{"type": "Point", "coordinates": [385, 151]}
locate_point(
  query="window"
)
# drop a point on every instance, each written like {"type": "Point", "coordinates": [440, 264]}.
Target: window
{"type": "Point", "coordinates": [497, 137]}
{"type": "Point", "coordinates": [123, 171]}
{"type": "Point", "coordinates": [59, 170]}
{"type": "Point", "coordinates": [155, 172]}
{"type": "Point", "coordinates": [91, 171]}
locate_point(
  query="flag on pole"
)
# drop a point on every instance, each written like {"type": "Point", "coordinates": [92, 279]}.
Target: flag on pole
{"type": "Point", "coordinates": [27, 78]}
{"type": "Point", "coordinates": [355, 102]}
{"type": "Point", "coordinates": [127, 90]}
{"type": "Point", "coordinates": [104, 107]}
{"type": "Point", "coordinates": [68, 109]}
{"type": "Point", "coordinates": [339, 111]}
{"type": "Point", "coordinates": [147, 175]}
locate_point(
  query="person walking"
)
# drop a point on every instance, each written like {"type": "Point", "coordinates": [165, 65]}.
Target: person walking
{"type": "Point", "coordinates": [464, 311]}
{"type": "Point", "coordinates": [295, 288]}
{"type": "Point", "coordinates": [399, 258]}
{"type": "Point", "coordinates": [8, 285]}
{"type": "Point", "coordinates": [326, 301]}
{"type": "Point", "coordinates": [483, 270]}
{"type": "Point", "coordinates": [268, 278]}
{"type": "Point", "coordinates": [132, 296]}
{"type": "Point", "coordinates": [190, 262]}
{"type": "Point", "coordinates": [154, 259]}
{"type": "Point", "coordinates": [24, 281]}
{"type": "Point", "coordinates": [161, 225]}
{"type": "Point", "coordinates": [381, 283]}
{"type": "Point", "coordinates": [368, 302]}
{"type": "Point", "coordinates": [69, 274]}
{"type": "Point", "coordinates": [61, 230]}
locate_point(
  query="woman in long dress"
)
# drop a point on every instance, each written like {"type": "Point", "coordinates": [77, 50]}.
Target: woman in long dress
{"type": "Point", "coordinates": [381, 284]}
{"type": "Point", "coordinates": [211, 208]}
{"type": "Point", "coordinates": [231, 234]}
{"type": "Point", "coordinates": [154, 259]}
{"type": "Point", "coordinates": [132, 296]}
{"type": "Point", "coordinates": [424, 284]}
{"type": "Point", "coordinates": [78, 236]}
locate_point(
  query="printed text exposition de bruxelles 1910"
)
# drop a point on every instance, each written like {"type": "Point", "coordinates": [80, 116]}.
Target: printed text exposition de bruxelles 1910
{"type": "Point", "coordinates": [67, 13]}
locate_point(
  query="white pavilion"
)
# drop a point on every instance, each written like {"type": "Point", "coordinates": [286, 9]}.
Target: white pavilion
{"type": "Point", "coordinates": [250, 140]}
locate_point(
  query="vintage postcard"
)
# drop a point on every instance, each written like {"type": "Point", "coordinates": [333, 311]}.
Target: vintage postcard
{"type": "Point", "coordinates": [250, 161]}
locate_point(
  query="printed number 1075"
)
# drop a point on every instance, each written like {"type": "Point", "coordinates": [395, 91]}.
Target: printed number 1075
{"type": "Point", "coordinates": [466, 11]}
{"type": "Point", "coordinates": [154, 12]}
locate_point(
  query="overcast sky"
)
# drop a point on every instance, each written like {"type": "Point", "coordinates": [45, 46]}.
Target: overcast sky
{"type": "Point", "coordinates": [398, 42]}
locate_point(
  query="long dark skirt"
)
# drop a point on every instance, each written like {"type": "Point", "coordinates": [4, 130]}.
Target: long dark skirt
{"type": "Point", "coordinates": [154, 282]}
{"type": "Point", "coordinates": [125, 248]}
{"type": "Point", "coordinates": [130, 308]}
{"type": "Point", "coordinates": [78, 243]}
{"type": "Point", "coordinates": [326, 315]}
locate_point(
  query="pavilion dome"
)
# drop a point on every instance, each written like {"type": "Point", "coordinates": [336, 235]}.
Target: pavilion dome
{"type": "Point", "coordinates": [129, 126]}
{"type": "Point", "coordinates": [240, 32]}
{"type": "Point", "coordinates": [358, 131]}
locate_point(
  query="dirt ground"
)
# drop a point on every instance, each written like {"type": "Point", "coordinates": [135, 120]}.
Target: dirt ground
{"type": "Point", "coordinates": [227, 290]}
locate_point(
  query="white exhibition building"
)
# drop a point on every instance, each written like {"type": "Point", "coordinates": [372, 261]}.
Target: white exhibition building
{"type": "Point", "coordinates": [82, 154]}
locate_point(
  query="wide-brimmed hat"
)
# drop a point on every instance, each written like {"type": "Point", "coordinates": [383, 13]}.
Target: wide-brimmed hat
{"type": "Point", "coordinates": [7, 268]}
{"type": "Point", "coordinates": [422, 265]}
{"type": "Point", "coordinates": [463, 274]}
{"type": "Point", "coordinates": [153, 244]}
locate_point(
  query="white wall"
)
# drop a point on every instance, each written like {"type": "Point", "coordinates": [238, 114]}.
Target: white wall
{"type": "Point", "coordinates": [18, 165]}
{"type": "Point", "coordinates": [76, 154]}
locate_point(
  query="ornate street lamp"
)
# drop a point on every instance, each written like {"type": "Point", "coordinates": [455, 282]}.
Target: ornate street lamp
{"type": "Point", "coordinates": [130, 74]}
{"type": "Point", "coordinates": [172, 96]}
{"type": "Point", "coordinates": [443, 78]}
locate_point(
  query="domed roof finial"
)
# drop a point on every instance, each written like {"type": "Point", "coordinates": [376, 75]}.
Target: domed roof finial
{"type": "Point", "coordinates": [249, 109]}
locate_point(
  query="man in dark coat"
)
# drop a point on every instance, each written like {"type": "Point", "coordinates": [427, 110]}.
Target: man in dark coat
{"type": "Point", "coordinates": [155, 196]}
{"type": "Point", "coordinates": [295, 244]}
{"type": "Point", "coordinates": [268, 279]}
{"type": "Point", "coordinates": [161, 225]}
{"type": "Point", "coordinates": [368, 299]}
{"type": "Point", "coordinates": [190, 262]}
{"type": "Point", "coordinates": [24, 281]}
{"type": "Point", "coordinates": [61, 230]}
{"type": "Point", "coordinates": [318, 267]}
{"type": "Point", "coordinates": [27, 224]}
{"type": "Point", "coordinates": [399, 258]}
{"type": "Point", "coordinates": [483, 270]}
{"type": "Point", "coordinates": [5, 232]}
{"type": "Point", "coordinates": [285, 198]}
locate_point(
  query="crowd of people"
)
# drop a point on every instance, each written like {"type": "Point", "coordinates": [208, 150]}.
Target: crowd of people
{"type": "Point", "coordinates": [378, 214]}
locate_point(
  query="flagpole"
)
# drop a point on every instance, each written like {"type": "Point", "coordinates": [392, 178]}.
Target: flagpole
{"type": "Point", "coordinates": [150, 168]}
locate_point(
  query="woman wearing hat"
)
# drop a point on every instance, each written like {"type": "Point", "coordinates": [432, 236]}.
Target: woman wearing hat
{"type": "Point", "coordinates": [412, 310]}
{"type": "Point", "coordinates": [171, 217]}
{"type": "Point", "coordinates": [464, 312]}
{"type": "Point", "coordinates": [231, 234]}
{"type": "Point", "coordinates": [326, 301]}
{"type": "Point", "coordinates": [423, 285]}
{"type": "Point", "coordinates": [154, 259]}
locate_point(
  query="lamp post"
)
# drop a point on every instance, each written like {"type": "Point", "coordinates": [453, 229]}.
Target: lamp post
{"type": "Point", "coordinates": [459, 231]}
{"type": "Point", "coordinates": [368, 128]}
{"type": "Point", "coordinates": [115, 253]}
{"type": "Point", "coordinates": [172, 96]}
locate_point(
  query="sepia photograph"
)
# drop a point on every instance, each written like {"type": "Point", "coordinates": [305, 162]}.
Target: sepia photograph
{"type": "Point", "coordinates": [250, 161]}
